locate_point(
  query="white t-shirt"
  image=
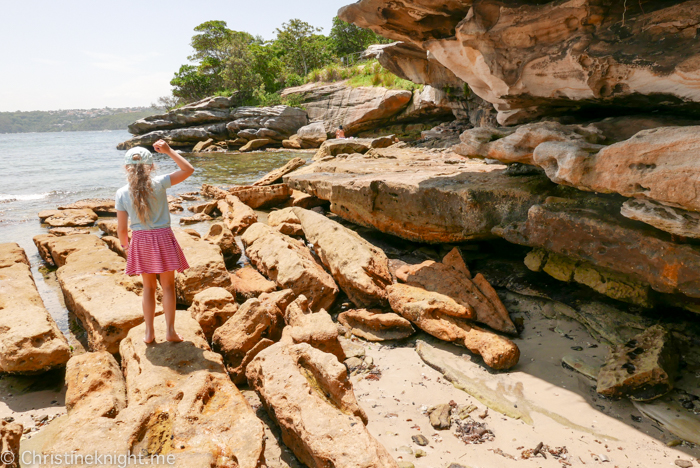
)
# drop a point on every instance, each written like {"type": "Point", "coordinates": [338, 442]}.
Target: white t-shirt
{"type": "Point", "coordinates": [160, 213]}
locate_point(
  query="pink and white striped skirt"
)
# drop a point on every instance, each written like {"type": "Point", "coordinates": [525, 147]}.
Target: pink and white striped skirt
{"type": "Point", "coordinates": [154, 251]}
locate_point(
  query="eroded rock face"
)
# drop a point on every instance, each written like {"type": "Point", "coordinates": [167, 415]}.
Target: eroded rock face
{"type": "Point", "coordinates": [356, 109]}
{"type": "Point", "coordinates": [314, 328]}
{"type": "Point", "coordinates": [642, 369]}
{"type": "Point", "coordinates": [211, 308]}
{"type": "Point", "coordinates": [325, 425]}
{"type": "Point", "coordinates": [222, 236]}
{"type": "Point", "coordinates": [376, 325]}
{"type": "Point", "coordinates": [440, 316]}
{"type": "Point", "coordinates": [10, 435]}
{"type": "Point", "coordinates": [30, 340]}
{"type": "Point", "coordinates": [360, 268]}
{"type": "Point", "coordinates": [667, 218]}
{"type": "Point", "coordinates": [308, 136]}
{"type": "Point", "coordinates": [535, 59]}
{"type": "Point", "coordinates": [338, 146]}
{"type": "Point", "coordinates": [247, 283]}
{"type": "Point", "coordinates": [286, 222]}
{"type": "Point", "coordinates": [101, 206]}
{"type": "Point", "coordinates": [392, 190]}
{"type": "Point", "coordinates": [609, 241]}
{"type": "Point", "coordinates": [290, 264]}
{"type": "Point", "coordinates": [68, 217]}
{"type": "Point", "coordinates": [214, 119]}
{"type": "Point", "coordinates": [178, 396]}
{"type": "Point", "coordinates": [237, 215]}
{"type": "Point", "coordinates": [207, 268]}
{"type": "Point", "coordinates": [262, 196]}
{"type": "Point", "coordinates": [256, 325]}
{"type": "Point", "coordinates": [95, 384]}
{"type": "Point", "coordinates": [94, 287]}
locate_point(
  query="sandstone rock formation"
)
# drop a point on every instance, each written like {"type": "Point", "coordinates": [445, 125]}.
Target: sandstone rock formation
{"type": "Point", "coordinates": [30, 340]}
{"type": "Point", "coordinates": [101, 206]}
{"type": "Point", "coordinates": [10, 435]}
{"type": "Point", "coordinates": [308, 136]}
{"type": "Point", "coordinates": [392, 190]}
{"type": "Point", "coordinates": [176, 419]}
{"type": "Point", "coordinates": [314, 328]}
{"type": "Point", "coordinates": [642, 369]}
{"type": "Point", "coordinates": [275, 176]}
{"type": "Point", "coordinates": [94, 287]}
{"type": "Point", "coordinates": [324, 426]}
{"type": "Point", "coordinates": [237, 215]}
{"type": "Point", "coordinates": [247, 283]}
{"type": "Point", "coordinates": [68, 217]}
{"type": "Point", "coordinates": [376, 325]}
{"type": "Point", "coordinates": [255, 144]}
{"type": "Point", "coordinates": [356, 109]}
{"type": "Point", "coordinates": [552, 57]}
{"type": "Point", "coordinates": [257, 324]}
{"type": "Point", "coordinates": [441, 317]}
{"type": "Point", "coordinates": [262, 196]}
{"type": "Point", "coordinates": [360, 268]}
{"type": "Point", "coordinates": [290, 264]}
{"type": "Point", "coordinates": [198, 218]}
{"type": "Point", "coordinates": [338, 146]}
{"type": "Point", "coordinates": [285, 221]}
{"type": "Point", "coordinates": [211, 308]}
{"type": "Point", "coordinates": [222, 236]}
{"type": "Point", "coordinates": [667, 218]}
{"type": "Point", "coordinates": [207, 268]}
{"type": "Point", "coordinates": [215, 119]}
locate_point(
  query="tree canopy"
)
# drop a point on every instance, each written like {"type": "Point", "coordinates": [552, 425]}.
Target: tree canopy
{"type": "Point", "coordinates": [235, 63]}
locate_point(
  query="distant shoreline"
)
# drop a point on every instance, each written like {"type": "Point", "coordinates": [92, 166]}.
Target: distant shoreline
{"type": "Point", "coordinates": [72, 120]}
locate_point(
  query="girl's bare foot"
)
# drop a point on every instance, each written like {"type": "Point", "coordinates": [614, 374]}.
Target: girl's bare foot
{"type": "Point", "coordinates": [173, 337]}
{"type": "Point", "coordinates": [149, 337]}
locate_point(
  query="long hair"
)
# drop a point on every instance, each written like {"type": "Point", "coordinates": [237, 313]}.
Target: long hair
{"type": "Point", "coordinates": [141, 188]}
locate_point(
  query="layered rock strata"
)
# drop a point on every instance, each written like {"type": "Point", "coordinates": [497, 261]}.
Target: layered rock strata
{"type": "Point", "coordinates": [376, 325]}
{"type": "Point", "coordinates": [30, 340]}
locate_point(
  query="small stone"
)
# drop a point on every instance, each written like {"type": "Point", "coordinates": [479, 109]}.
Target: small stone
{"type": "Point", "coordinates": [440, 417]}
{"type": "Point", "coordinates": [420, 453]}
{"type": "Point", "coordinates": [405, 464]}
{"type": "Point", "coordinates": [683, 463]}
{"type": "Point", "coordinates": [420, 440]}
{"type": "Point", "coordinates": [405, 449]}
{"type": "Point", "coordinates": [8, 419]}
{"type": "Point", "coordinates": [353, 363]}
{"type": "Point", "coordinates": [456, 465]}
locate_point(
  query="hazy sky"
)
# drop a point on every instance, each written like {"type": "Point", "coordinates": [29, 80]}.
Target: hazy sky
{"type": "Point", "coordinates": [83, 54]}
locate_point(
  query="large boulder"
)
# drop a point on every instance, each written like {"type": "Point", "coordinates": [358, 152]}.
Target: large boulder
{"type": "Point", "coordinates": [314, 328]}
{"type": "Point", "coordinates": [275, 176]}
{"type": "Point", "coordinates": [392, 190]}
{"type": "Point", "coordinates": [667, 218]}
{"type": "Point", "coordinates": [262, 196]}
{"type": "Point", "coordinates": [360, 268]}
{"type": "Point", "coordinates": [257, 324]}
{"type": "Point", "coordinates": [208, 110]}
{"type": "Point", "coordinates": [178, 396]}
{"type": "Point", "coordinates": [237, 215]}
{"type": "Point", "coordinates": [548, 57]}
{"type": "Point", "coordinates": [10, 435]}
{"type": "Point", "coordinates": [290, 264]}
{"type": "Point", "coordinates": [376, 325]}
{"type": "Point", "coordinates": [101, 206]}
{"type": "Point", "coordinates": [428, 311]}
{"type": "Point", "coordinates": [222, 236]}
{"type": "Point", "coordinates": [207, 268]}
{"type": "Point", "coordinates": [356, 109]}
{"type": "Point", "coordinates": [338, 146]}
{"type": "Point", "coordinates": [285, 221]}
{"type": "Point", "coordinates": [308, 393]}
{"type": "Point", "coordinates": [211, 308]}
{"type": "Point", "coordinates": [30, 340]}
{"type": "Point", "coordinates": [95, 289]}
{"type": "Point", "coordinates": [308, 136]}
{"type": "Point", "coordinates": [68, 217]}
{"type": "Point", "coordinates": [247, 282]}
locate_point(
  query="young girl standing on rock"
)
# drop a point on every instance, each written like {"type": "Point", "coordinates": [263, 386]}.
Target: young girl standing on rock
{"type": "Point", "coordinates": [153, 249]}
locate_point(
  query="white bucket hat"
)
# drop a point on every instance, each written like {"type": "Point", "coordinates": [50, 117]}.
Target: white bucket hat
{"type": "Point", "coordinates": [138, 155]}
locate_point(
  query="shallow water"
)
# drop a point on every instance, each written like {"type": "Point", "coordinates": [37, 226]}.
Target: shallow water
{"type": "Point", "coordinates": [45, 170]}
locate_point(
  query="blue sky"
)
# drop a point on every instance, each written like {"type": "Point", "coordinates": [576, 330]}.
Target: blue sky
{"type": "Point", "coordinates": [83, 54]}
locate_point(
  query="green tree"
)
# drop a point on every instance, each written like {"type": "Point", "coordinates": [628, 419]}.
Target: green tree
{"type": "Point", "coordinates": [303, 49]}
{"type": "Point", "coordinates": [346, 38]}
{"type": "Point", "coordinates": [191, 85]}
{"type": "Point", "coordinates": [238, 73]}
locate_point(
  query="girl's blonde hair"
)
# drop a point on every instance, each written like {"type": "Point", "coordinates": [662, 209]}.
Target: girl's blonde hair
{"type": "Point", "coordinates": [141, 188]}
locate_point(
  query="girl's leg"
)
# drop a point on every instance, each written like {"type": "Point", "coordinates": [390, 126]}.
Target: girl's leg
{"type": "Point", "coordinates": [167, 282]}
{"type": "Point", "coordinates": [149, 304]}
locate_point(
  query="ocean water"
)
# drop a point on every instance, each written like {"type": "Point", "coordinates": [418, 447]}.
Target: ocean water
{"type": "Point", "coordinates": [45, 170]}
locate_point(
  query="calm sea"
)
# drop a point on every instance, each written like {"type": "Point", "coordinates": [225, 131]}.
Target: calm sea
{"type": "Point", "coordinates": [45, 170]}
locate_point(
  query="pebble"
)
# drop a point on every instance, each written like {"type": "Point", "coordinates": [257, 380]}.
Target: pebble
{"type": "Point", "coordinates": [420, 453]}
{"type": "Point", "coordinates": [420, 440]}
{"type": "Point", "coordinates": [8, 419]}
{"type": "Point", "coordinates": [683, 463]}
{"type": "Point", "coordinates": [405, 464]}
{"type": "Point", "coordinates": [405, 449]}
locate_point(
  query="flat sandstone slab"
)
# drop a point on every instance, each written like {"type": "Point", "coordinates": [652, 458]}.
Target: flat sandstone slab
{"type": "Point", "coordinates": [423, 197]}
{"type": "Point", "coordinates": [30, 340]}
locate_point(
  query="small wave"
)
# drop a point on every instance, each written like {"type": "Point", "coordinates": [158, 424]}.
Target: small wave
{"type": "Point", "coordinates": [6, 198]}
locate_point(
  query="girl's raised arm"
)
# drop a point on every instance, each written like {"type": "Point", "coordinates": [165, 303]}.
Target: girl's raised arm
{"type": "Point", "coordinates": [186, 168]}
